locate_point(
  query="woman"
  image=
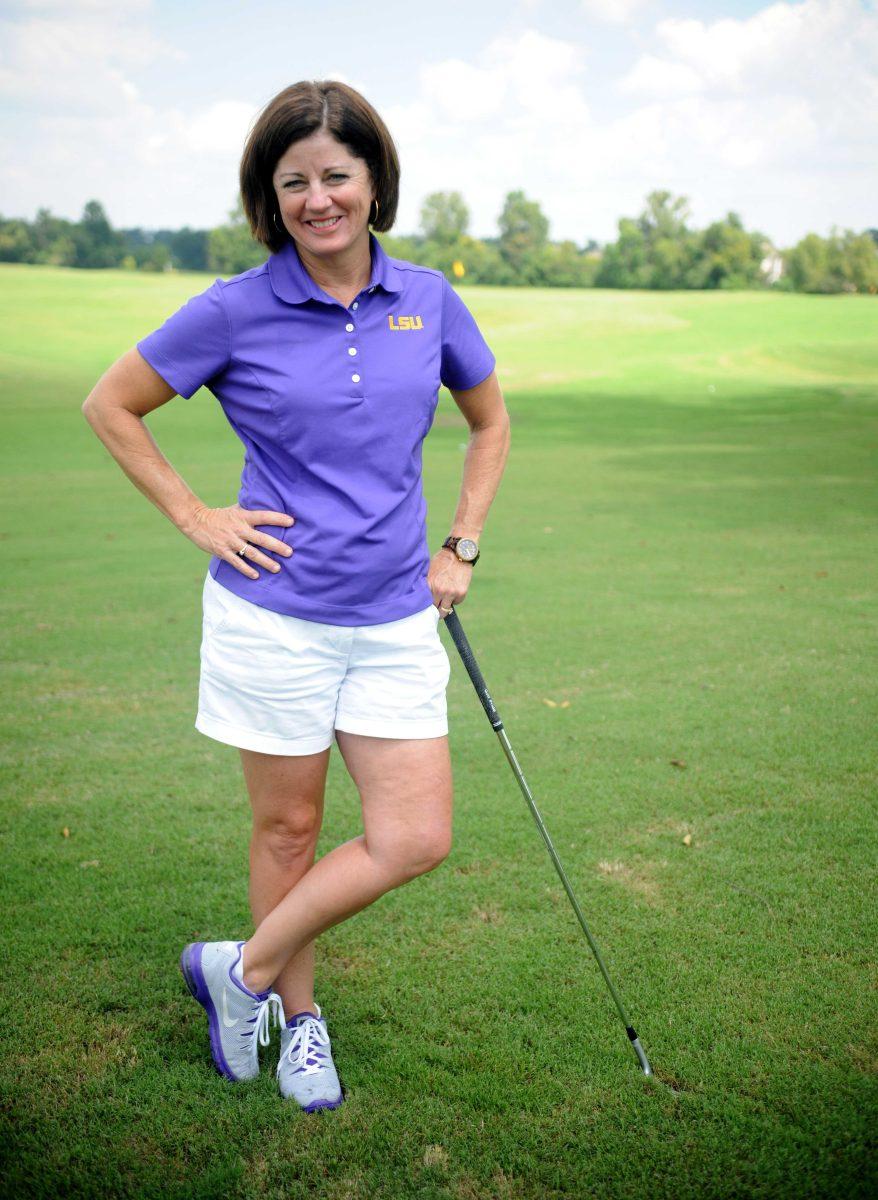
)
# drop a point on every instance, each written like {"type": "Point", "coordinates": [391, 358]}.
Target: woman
{"type": "Point", "coordinates": [321, 601]}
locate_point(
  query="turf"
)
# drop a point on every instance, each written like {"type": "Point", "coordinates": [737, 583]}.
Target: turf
{"type": "Point", "coordinates": [681, 558]}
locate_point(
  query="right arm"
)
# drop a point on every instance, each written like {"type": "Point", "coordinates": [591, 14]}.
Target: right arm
{"type": "Point", "coordinates": [115, 409]}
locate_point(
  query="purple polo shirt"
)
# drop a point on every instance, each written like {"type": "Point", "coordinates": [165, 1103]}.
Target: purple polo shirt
{"type": "Point", "coordinates": [332, 405]}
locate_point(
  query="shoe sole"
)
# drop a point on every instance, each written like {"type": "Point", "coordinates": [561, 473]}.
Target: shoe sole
{"type": "Point", "coordinates": [318, 1105]}
{"type": "Point", "coordinates": [193, 975]}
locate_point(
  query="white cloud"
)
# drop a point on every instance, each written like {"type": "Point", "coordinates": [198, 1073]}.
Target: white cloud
{"type": "Point", "coordinates": [513, 118]}
{"type": "Point", "coordinates": [77, 57]}
{"type": "Point", "coordinates": [794, 84]}
{"type": "Point", "coordinates": [520, 73]}
{"type": "Point", "coordinates": [91, 126]}
{"type": "Point", "coordinates": [819, 46]}
{"type": "Point", "coordinates": [773, 115]}
{"type": "Point", "coordinates": [615, 12]}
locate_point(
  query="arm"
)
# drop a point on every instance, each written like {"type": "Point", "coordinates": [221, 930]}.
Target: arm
{"type": "Point", "coordinates": [486, 455]}
{"type": "Point", "coordinates": [115, 409]}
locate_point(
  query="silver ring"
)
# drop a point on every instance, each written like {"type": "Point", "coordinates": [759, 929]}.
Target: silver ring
{"type": "Point", "coordinates": [243, 550]}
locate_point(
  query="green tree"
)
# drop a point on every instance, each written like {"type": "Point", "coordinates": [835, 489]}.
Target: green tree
{"type": "Point", "coordinates": [843, 262]}
{"type": "Point", "coordinates": [95, 243]}
{"type": "Point", "coordinates": [482, 263]}
{"type": "Point", "coordinates": [655, 250]}
{"type": "Point", "coordinates": [231, 248]}
{"type": "Point", "coordinates": [524, 230]}
{"type": "Point", "coordinates": [444, 218]}
{"type": "Point", "coordinates": [853, 261]}
{"type": "Point", "coordinates": [53, 240]}
{"type": "Point", "coordinates": [156, 257]}
{"type": "Point", "coordinates": [665, 216]}
{"type": "Point", "coordinates": [16, 241]}
{"type": "Point", "coordinates": [561, 264]}
{"type": "Point", "coordinates": [188, 248]}
{"type": "Point", "coordinates": [625, 262]}
{"type": "Point", "coordinates": [807, 264]}
{"type": "Point", "coordinates": [728, 256]}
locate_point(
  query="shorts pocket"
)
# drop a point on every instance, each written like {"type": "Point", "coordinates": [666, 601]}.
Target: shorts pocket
{"type": "Point", "coordinates": [217, 610]}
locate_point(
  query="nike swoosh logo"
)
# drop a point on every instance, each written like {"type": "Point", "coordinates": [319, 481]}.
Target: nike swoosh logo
{"type": "Point", "coordinates": [228, 1021]}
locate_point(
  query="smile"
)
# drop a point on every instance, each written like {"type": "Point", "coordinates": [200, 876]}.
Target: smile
{"type": "Point", "coordinates": [329, 223]}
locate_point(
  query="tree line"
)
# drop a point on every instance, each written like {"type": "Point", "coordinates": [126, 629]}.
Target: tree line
{"type": "Point", "coordinates": [656, 250]}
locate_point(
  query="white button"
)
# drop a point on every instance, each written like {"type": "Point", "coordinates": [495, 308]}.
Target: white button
{"type": "Point", "coordinates": [355, 303]}
{"type": "Point", "coordinates": [349, 328]}
{"type": "Point", "coordinates": [371, 290]}
{"type": "Point", "coordinates": [355, 378]}
{"type": "Point", "coordinates": [352, 350]}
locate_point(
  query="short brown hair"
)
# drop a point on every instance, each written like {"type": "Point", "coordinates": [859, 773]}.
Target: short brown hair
{"type": "Point", "coordinates": [298, 111]}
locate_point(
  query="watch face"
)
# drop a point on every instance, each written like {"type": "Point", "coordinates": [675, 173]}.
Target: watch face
{"type": "Point", "coordinates": [467, 549]}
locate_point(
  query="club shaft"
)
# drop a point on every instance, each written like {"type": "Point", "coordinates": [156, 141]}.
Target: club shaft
{"type": "Point", "coordinates": [528, 795]}
{"type": "Point", "coordinates": [452, 622]}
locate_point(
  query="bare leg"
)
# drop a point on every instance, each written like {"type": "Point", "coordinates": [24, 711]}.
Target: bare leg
{"type": "Point", "coordinates": [286, 795]}
{"type": "Point", "coordinates": [405, 786]}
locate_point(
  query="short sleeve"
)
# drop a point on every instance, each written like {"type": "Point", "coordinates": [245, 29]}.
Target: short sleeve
{"type": "Point", "coordinates": [466, 357]}
{"type": "Point", "coordinates": [193, 345]}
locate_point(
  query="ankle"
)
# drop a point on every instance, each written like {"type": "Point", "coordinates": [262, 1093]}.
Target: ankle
{"type": "Point", "coordinates": [253, 978]}
{"type": "Point", "coordinates": [298, 1004]}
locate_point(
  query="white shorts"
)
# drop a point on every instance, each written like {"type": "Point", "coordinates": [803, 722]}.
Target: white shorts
{"type": "Point", "coordinates": [283, 685]}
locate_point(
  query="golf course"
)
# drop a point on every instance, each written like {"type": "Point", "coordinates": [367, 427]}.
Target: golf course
{"type": "Point", "coordinates": [675, 614]}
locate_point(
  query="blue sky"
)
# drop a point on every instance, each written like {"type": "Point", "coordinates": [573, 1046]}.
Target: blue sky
{"type": "Point", "coordinates": [770, 109]}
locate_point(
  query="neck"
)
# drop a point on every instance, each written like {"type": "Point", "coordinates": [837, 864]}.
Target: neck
{"type": "Point", "coordinates": [348, 270]}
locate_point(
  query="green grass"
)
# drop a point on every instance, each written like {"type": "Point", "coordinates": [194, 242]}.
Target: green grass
{"type": "Point", "coordinates": [683, 546]}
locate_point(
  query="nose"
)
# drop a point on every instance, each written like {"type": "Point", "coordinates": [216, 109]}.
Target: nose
{"type": "Point", "coordinates": [317, 199]}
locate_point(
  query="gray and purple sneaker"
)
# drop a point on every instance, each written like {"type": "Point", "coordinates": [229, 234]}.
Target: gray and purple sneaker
{"type": "Point", "coordinates": [239, 1019]}
{"type": "Point", "coordinates": [306, 1072]}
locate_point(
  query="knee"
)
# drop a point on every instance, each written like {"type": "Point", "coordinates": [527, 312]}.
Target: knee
{"type": "Point", "coordinates": [429, 852]}
{"type": "Point", "coordinates": [289, 839]}
{"type": "Point", "coordinates": [439, 851]}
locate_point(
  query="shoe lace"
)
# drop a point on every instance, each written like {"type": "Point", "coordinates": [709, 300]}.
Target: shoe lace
{"type": "Point", "coordinates": [270, 1005]}
{"type": "Point", "coordinates": [302, 1053]}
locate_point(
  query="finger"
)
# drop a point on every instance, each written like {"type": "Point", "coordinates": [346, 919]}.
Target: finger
{"type": "Point", "coordinates": [239, 564]}
{"type": "Point", "coordinates": [262, 517]}
{"type": "Point", "coordinates": [254, 555]}
{"type": "Point", "coordinates": [258, 538]}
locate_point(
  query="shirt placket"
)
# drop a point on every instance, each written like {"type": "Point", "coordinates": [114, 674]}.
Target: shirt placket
{"type": "Point", "coordinates": [354, 347]}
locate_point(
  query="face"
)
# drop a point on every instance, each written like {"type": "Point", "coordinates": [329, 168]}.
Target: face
{"type": "Point", "coordinates": [318, 178]}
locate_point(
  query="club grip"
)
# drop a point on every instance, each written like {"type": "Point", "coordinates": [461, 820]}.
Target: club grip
{"type": "Point", "coordinates": [454, 627]}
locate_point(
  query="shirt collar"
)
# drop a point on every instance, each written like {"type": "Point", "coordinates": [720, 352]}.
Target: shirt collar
{"type": "Point", "coordinates": [291, 282]}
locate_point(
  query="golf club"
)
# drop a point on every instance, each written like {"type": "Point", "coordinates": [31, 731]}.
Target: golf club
{"type": "Point", "coordinates": [452, 623]}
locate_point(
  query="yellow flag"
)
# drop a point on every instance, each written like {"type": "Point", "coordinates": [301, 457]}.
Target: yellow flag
{"type": "Point", "coordinates": [458, 268]}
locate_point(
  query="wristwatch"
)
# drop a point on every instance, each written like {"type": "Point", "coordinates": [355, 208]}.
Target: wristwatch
{"type": "Point", "coordinates": [465, 548]}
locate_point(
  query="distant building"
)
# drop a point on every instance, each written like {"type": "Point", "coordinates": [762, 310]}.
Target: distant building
{"type": "Point", "coordinates": [771, 265]}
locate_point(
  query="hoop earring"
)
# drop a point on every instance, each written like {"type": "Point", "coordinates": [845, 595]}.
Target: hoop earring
{"type": "Point", "coordinates": [371, 222]}
{"type": "Point", "coordinates": [278, 227]}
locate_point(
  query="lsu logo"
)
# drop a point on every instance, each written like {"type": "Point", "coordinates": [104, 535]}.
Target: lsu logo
{"type": "Point", "coordinates": [404, 322]}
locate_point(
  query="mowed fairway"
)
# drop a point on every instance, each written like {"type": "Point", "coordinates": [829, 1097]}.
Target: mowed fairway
{"type": "Point", "coordinates": [681, 559]}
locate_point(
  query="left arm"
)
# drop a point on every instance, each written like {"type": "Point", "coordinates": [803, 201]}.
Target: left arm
{"type": "Point", "coordinates": [486, 454]}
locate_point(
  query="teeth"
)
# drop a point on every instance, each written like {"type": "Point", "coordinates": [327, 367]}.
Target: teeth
{"type": "Point", "coordinates": [323, 224]}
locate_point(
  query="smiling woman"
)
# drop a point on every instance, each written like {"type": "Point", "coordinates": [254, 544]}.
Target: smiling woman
{"type": "Point", "coordinates": [279, 175]}
{"type": "Point", "coordinates": [324, 205]}
{"type": "Point", "coordinates": [327, 360]}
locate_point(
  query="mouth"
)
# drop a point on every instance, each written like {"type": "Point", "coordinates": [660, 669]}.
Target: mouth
{"type": "Point", "coordinates": [328, 223]}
